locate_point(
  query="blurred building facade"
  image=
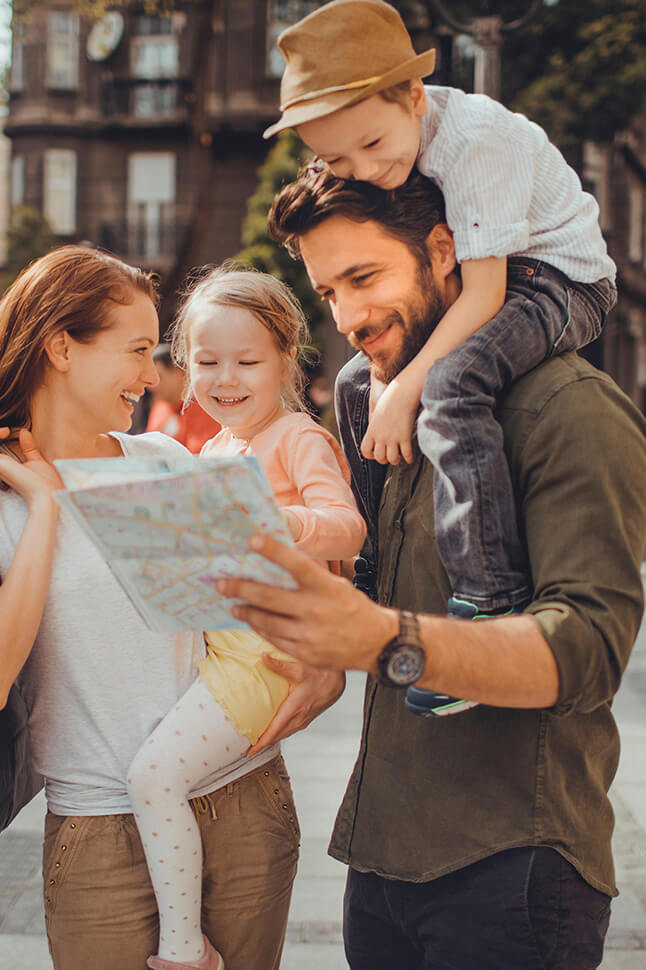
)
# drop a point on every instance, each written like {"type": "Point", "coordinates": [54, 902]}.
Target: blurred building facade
{"type": "Point", "coordinates": [144, 135]}
{"type": "Point", "coordinates": [616, 175]}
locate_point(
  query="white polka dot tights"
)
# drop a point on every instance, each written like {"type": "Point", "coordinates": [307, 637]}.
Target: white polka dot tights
{"type": "Point", "coordinates": [194, 739]}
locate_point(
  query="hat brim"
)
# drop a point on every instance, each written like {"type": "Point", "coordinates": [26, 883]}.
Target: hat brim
{"type": "Point", "coordinates": [327, 104]}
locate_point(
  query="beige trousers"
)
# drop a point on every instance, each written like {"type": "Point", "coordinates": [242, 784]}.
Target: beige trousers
{"type": "Point", "coordinates": [99, 904]}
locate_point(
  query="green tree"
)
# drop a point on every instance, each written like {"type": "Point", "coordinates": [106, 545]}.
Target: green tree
{"type": "Point", "coordinates": [279, 168]}
{"type": "Point", "coordinates": [579, 70]}
{"type": "Point", "coordinates": [28, 238]}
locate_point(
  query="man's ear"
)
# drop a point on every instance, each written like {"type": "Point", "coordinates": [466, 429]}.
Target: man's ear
{"type": "Point", "coordinates": [57, 349]}
{"type": "Point", "coordinates": [441, 250]}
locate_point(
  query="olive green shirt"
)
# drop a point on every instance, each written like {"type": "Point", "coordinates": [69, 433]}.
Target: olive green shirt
{"type": "Point", "coordinates": [431, 795]}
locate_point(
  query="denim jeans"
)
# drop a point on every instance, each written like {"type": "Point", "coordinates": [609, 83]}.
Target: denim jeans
{"type": "Point", "coordinates": [521, 909]}
{"type": "Point", "coordinates": [544, 314]}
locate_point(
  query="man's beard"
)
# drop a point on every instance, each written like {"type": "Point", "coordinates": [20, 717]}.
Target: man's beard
{"type": "Point", "coordinates": [423, 312]}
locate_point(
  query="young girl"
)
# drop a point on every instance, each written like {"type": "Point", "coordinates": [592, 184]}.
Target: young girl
{"type": "Point", "coordinates": [237, 336]}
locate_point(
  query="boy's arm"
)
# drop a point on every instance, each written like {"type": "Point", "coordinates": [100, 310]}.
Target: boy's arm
{"type": "Point", "coordinates": [484, 283]}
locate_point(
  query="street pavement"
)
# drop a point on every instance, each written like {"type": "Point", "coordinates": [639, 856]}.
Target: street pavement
{"type": "Point", "coordinates": [320, 760]}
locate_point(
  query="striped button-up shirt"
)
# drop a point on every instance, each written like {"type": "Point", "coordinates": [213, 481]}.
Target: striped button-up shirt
{"type": "Point", "coordinates": [508, 189]}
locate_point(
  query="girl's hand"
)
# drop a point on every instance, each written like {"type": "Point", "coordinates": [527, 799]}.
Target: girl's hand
{"type": "Point", "coordinates": [388, 439]}
{"type": "Point", "coordinates": [33, 478]}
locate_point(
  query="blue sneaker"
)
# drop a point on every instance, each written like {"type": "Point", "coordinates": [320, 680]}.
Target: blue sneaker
{"type": "Point", "coordinates": [428, 703]}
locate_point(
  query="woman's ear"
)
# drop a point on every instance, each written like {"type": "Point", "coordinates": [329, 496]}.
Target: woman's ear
{"type": "Point", "coordinates": [57, 349]}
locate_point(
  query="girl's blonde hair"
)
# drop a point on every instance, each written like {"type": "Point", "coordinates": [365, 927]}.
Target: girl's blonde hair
{"type": "Point", "coordinates": [271, 302]}
{"type": "Point", "coordinates": [73, 288]}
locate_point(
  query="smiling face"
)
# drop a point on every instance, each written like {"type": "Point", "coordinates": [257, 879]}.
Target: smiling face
{"type": "Point", "coordinates": [236, 369]}
{"type": "Point", "coordinates": [374, 141]}
{"type": "Point", "coordinates": [107, 376]}
{"type": "Point", "coordinates": [384, 299]}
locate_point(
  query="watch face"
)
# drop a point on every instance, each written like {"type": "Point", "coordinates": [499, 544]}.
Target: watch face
{"type": "Point", "coordinates": [405, 665]}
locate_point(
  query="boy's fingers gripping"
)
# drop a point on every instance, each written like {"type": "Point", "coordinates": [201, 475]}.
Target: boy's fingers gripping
{"type": "Point", "coordinates": [380, 454]}
{"type": "Point", "coordinates": [368, 445]}
{"type": "Point", "coordinates": [392, 454]}
{"type": "Point", "coordinates": [406, 448]}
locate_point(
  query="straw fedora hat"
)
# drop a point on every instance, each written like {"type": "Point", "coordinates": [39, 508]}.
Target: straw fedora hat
{"type": "Point", "coordinates": [345, 51]}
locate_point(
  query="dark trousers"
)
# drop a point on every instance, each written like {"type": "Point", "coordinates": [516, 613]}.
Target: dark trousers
{"type": "Point", "coordinates": [522, 909]}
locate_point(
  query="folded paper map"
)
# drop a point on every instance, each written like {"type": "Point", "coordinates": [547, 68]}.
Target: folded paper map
{"type": "Point", "coordinates": [169, 529]}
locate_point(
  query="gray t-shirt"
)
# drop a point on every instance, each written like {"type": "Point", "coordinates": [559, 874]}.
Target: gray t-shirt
{"type": "Point", "coordinates": [97, 680]}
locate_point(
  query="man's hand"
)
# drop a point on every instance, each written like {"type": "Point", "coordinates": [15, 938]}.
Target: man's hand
{"type": "Point", "coordinates": [325, 622]}
{"type": "Point", "coordinates": [311, 691]}
{"type": "Point", "coordinates": [388, 439]}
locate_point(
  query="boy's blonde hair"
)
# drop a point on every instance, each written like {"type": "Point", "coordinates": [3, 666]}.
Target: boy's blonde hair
{"type": "Point", "coordinates": [398, 94]}
{"type": "Point", "coordinates": [271, 302]}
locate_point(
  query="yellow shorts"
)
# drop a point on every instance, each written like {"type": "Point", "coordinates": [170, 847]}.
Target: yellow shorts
{"type": "Point", "coordinates": [233, 670]}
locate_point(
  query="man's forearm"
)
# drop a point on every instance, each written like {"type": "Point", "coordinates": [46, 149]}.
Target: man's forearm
{"type": "Point", "coordinates": [327, 623]}
{"type": "Point", "coordinates": [503, 663]}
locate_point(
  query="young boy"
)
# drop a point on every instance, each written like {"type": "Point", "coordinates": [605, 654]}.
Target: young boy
{"type": "Point", "coordinates": [536, 276]}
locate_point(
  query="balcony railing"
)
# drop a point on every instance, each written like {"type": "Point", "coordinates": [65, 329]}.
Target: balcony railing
{"type": "Point", "coordinates": [148, 243]}
{"type": "Point", "coordinates": [140, 99]}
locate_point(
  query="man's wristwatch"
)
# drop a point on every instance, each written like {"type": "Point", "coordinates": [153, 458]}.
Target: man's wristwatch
{"type": "Point", "coordinates": [401, 662]}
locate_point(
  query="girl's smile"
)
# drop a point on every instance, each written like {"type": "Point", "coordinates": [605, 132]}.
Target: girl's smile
{"type": "Point", "coordinates": [236, 369]}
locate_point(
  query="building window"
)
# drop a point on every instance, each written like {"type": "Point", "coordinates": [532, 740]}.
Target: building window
{"type": "Point", "coordinates": [154, 52]}
{"type": "Point", "coordinates": [282, 14]}
{"type": "Point", "coordinates": [154, 100]}
{"type": "Point", "coordinates": [17, 75]}
{"type": "Point", "coordinates": [59, 190]}
{"type": "Point", "coordinates": [596, 179]}
{"type": "Point", "coordinates": [17, 181]}
{"type": "Point", "coordinates": [636, 223]}
{"type": "Point", "coordinates": [63, 50]}
{"type": "Point", "coordinates": [151, 204]}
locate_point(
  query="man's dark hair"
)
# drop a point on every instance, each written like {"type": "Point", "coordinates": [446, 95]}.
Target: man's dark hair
{"type": "Point", "coordinates": [409, 213]}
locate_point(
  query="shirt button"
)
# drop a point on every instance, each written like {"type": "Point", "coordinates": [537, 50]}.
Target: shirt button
{"type": "Point", "coordinates": [529, 271]}
{"type": "Point", "coordinates": [73, 825]}
{"type": "Point", "coordinates": [266, 774]}
{"type": "Point", "coordinates": [63, 848]}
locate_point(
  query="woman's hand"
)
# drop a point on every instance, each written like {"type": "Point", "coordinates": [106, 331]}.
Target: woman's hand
{"type": "Point", "coordinates": [311, 691]}
{"type": "Point", "coordinates": [32, 479]}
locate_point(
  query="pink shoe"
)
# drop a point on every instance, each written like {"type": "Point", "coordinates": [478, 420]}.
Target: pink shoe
{"type": "Point", "coordinates": [210, 960]}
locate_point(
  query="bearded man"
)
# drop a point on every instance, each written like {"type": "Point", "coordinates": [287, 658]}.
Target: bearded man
{"type": "Point", "coordinates": [479, 841]}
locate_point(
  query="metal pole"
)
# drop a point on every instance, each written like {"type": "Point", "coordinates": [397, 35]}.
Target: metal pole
{"type": "Point", "coordinates": [487, 35]}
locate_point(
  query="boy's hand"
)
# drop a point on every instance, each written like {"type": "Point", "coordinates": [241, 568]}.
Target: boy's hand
{"type": "Point", "coordinates": [388, 439]}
